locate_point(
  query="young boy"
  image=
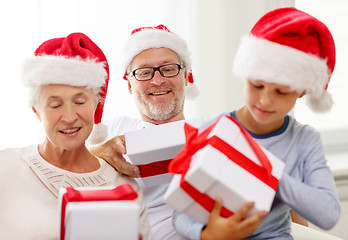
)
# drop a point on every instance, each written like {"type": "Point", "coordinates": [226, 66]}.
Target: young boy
{"type": "Point", "coordinates": [288, 54]}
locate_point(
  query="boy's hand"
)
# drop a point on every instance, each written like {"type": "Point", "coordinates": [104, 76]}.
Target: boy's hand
{"type": "Point", "coordinates": [234, 227]}
{"type": "Point", "coordinates": [112, 152]}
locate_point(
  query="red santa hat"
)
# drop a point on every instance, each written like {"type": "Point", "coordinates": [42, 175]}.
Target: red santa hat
{"type": "Point", "coordinates": [156, 37]}
{"type": "Point", "coordinates": [74, 60]}
{"type": "Point", "coordinates": [290, 47]}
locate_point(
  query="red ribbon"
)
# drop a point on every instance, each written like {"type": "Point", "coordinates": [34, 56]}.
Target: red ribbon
{"type": "Point", "coordinates": [181, 163]}
{"type": "Point", "coordinates": [122, 192]}
{"type": "Point", "coordinates": [154, 168]}
{"type": "Point", "coordinates": [203, 199]}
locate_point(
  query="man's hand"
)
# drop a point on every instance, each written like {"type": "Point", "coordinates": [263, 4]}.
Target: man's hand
{"type": "Point", "coordinates": [234, 227]}
{"type": "Point", "coordinates": [112, 152]}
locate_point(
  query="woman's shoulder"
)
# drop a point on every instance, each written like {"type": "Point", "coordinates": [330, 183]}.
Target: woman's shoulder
{"type": "Point", "coordinates": [6, 152]}
{"type": "Point", "coordinates": [14, 159]}
{"type": "Point", "coordinates": [8, 159]}
{"type": "Point", "coordinates": [17, 152]}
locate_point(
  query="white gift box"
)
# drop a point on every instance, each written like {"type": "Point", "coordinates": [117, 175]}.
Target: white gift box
{"type": "Point", "coordinates": [152, 148]}
{"type": "Point", "coordinates": [211, 172]}
{"type": "Point", "coordinates": [90, 220]}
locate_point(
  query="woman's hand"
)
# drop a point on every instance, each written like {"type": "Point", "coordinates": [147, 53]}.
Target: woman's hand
{"type": "Point", "coordinates": [112, 152]}
{"type": "Point", "coordinates": [234, 227]}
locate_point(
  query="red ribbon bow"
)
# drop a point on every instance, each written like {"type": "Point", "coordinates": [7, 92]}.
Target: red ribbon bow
{"type": "Point", "coordinates": [122, 192]}
{"type": "Point", "coordinates": [194, 142]}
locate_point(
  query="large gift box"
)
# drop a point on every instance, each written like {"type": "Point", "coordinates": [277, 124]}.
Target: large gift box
{"type": "Point", "coordinates": [151, 149]}
{"type": "Point", "coordinates": [98, 213]}
{"type": "Point", "coordinates": [222, 161]}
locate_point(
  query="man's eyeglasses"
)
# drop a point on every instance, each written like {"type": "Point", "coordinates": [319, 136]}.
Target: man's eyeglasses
{"type": "Point", "coordinates": [167, 71]}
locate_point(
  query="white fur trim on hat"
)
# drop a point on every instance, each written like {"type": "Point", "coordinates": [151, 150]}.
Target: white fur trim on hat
{"type": "Point", "coordinates": [51, 69]}
{"type": "Point", "coordinates": [260, 59]}
{"type": "Point", "coordinates": [155, 38]}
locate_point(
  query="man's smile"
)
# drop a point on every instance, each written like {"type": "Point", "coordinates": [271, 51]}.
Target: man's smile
{"type": "Point", "coordinates": [160, 93]}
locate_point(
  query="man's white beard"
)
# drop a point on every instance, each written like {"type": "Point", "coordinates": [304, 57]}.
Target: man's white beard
{"type": "Point", "coordinates": [159, 112]}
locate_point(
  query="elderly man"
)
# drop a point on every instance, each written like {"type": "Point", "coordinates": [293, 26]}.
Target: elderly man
{"type": "Point", "coordinates": [157, 67]}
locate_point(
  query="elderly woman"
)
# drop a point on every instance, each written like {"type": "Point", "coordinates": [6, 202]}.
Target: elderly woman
{"type": "Point", "coordinates": [68, 79]}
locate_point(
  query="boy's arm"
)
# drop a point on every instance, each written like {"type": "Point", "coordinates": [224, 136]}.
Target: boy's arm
{"type": "Point", "coordinates": [186, 227]}
{"type": "Point", "coordinates": [315, 197]}
{"type": "Point", "coordinates": [319, 205]}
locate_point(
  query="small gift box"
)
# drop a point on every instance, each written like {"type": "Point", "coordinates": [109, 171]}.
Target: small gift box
{"type": "Point", "coordinates": [151, 149]}
{"type": "Point", "coordinates": [223, 161]}
{"type": "Point", "coordinates": [98, 213]}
